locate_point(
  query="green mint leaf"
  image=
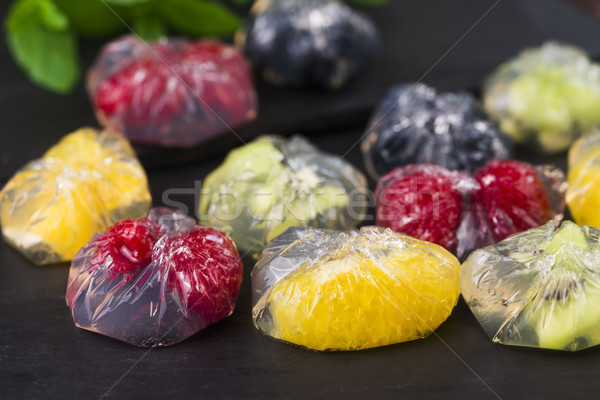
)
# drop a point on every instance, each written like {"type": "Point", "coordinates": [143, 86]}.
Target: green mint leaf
{"type": "Point", "coordinates": [22, 16]}
{"type": "Point", "coordinates": [93, 17]}
{"type": "Point", "coordinates": [52, 17]}
{"type": "Point", "coordinates": [47, 55]}
{"type": "Point", "coordinates": [199, 17]}
{"type": "Point", "coordinates": [149, 27]}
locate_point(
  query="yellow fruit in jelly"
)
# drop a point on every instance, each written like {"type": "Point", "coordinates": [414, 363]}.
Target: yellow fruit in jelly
{"type": "Point", "coordinates": [583, 194]}
{"type": "Point", "coordinates": [81, 186]}
{"type": "Point", "coordinates": [368, 298]}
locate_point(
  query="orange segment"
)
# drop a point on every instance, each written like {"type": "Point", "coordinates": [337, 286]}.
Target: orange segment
{"type": "Point", "coordinates": [354, 302]}
{"type": "Point", "coordinates": [81, 186]}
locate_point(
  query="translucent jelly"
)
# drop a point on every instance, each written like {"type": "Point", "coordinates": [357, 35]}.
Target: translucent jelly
{"type": "Point", "coordinates": [271, 184]}
{"type": "Point", "coordinates": [545, 97]}
{"type": "Point", "coordinates": [154, 281]}
{"type": "Point", "coordinates": [583, 194]}
{"type": "Point", "coordinates": [463, 212]}
{"type": "Point", "coordinates": [173, 92]}
{"type": "Point", "coordinates": [308, 43]}
{"type": "Point", "coordinates": [326, 290]}
{"type": "Point", "coordinates": [415, 124]}
{"type": "Point", "coordinates": [82, 185]}
{"type": "Point", "coordinates": [538, 288]}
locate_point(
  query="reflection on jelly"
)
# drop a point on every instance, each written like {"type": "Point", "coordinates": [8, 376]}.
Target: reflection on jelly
{"type": "Point", "coordinates": [583, 193]}
{"type": "Point", "coordinates": [321, 43]}
{"type": "Point", "coordinates": [538, 288]}
{"type": "Point", "coordinates": [82, 185]}
{"type": "Point", "coordinates": [415, 124]}
{"type": "Point", "coordinates": [154, 281]}
{"type": "Point", "coordinates": [327, 290]}
{"type": "Point", "coordinates": [272, 183]}
{"type": "Point", "coordinates": [545, 97]}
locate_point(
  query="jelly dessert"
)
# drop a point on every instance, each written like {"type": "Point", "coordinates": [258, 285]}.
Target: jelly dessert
{"type": "Point", "coordinates": [81, 186]}
{"type": "Point", "coordinates": [583, 193]}
{"type": "Point", "coordinates": [308, 43]}
{"type": "Point", "coordinates": [538, 288]}
{"type": "Point", "coordinates": [424, 201]}
{"type": "Point", "coordinates": [546, 97]}
{"type": "Point", "coordinates": [414, 124]}
{"type": "Point", "coordinates": [462, 212]}
{"type": "Point", "coordinates": [272, 183]}
{"type": "Point", "coordinates": [154, 281]}
{"type": "Point", "coordinates": [172, 92]}
{"type": "Point", "coordinates": [514, 197]}
{"type": "Point", "coordinates": [327, 290]}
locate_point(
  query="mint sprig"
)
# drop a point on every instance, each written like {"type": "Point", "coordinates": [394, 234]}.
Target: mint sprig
{"type": "Point", "coordinates": [42, 34]}
{"type": "Point", "coordinates": [43, 45]}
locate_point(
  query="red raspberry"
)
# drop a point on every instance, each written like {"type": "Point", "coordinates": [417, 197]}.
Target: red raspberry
{"type": "Point", "coordinates": [206, 270]}
{"type": "Point", "coordinates": [169, 93]}
{"type": "Point", "coordinates": [203, 265]}
{"type": "Point", "coordinates": [421, 201]}
{"type": "Point", "coordinates": [113, 94]}
{"type": "Point", "coordinates": [142, 278]}
{"type": "Point", "coordinates": [513, 197]}
{"type": "Point", "coordinates": [144, 90]}
{"type": "Point", "coordinates": [129, 243]}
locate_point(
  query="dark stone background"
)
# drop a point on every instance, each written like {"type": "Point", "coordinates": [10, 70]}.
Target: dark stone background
{"type": "Point", "coordinates": [43, 355]}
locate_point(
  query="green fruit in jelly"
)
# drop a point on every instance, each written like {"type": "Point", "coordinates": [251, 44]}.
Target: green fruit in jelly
{"type": "Point", "coordinates": [305, 208]}
{"type": "Point", "coordinates": [571, 320]}
{"type": "Point", "coordinates": [272, 184]}
{"type": "Point", "coordinates": [536, 99]}
{"type": "Point", "coordinates": [569, 235]}
{"type": "Point", "coordinates": [566, 312]}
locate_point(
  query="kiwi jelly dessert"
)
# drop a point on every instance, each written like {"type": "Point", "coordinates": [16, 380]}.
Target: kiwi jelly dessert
{"type": "Point", "coordinates": [538, 288]}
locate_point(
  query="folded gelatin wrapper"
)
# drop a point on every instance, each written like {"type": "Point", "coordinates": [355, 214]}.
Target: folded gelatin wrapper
{"type": "Point", "coordinates": [82, 185]}
{"type": "Point", "coordinates": [320, 43]}
{"type": "Point", "coordinates": [154, 281]}
{"type": "Point", "coordinates": [538, 288]}
{"type": "Point", "coordinates": [415, 124]}
{"type": "Point", "coordinates": [327, 290]}
{"type": "Point", "coordinates": [172, 92]}
{"type": "Point", "coordinates": [463, 212]}
{"type": "Point", "coordinates": [583, 193]}
{"type": "Point", "coordinates": [545, 97]}
{"type": "Point", "coordinates": [273, 183]}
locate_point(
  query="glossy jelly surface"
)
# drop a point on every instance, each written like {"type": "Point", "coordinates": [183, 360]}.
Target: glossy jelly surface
{"type": "Point", "coordinates": [154, 281]}
{"type": "Point", "coordinates": [172, 92]}
{"type": "Point", "coordinates": [321, 43]}
{"type": "Point", "coordinates": [272, 183]}
{"type": "Point", "coordinates": [415, 124]}
{"type": "Point", "coordinates": [464, 212]}
{"type": "Point", "coordinates": [583, 193]}
{"type": "Point", "coordinates": [86, 182]}
{"type": "Point", "coordinates": [538, 288]}
{"type": "Point", "coordinates": [545, 97]}
{"type": "Point", "coordinates": [326, 290]}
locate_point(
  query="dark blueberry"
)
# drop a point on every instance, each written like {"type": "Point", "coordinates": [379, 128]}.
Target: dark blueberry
{"type": "Point", "coordinates": [415, 125]}
{"type": "Point", "coordinates": [308, 43]}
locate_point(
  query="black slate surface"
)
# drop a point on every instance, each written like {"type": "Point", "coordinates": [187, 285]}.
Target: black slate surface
{"type": "Point", "coordinates": [43, 355]}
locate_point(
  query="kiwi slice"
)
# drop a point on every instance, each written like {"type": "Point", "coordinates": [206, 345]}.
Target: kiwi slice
{"type": "Point", "coordinates": [565, 312]}
{"type": "Point", "coordinates": [305, 210]}
{"type": "Point", "coordinates": [568, 236]}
